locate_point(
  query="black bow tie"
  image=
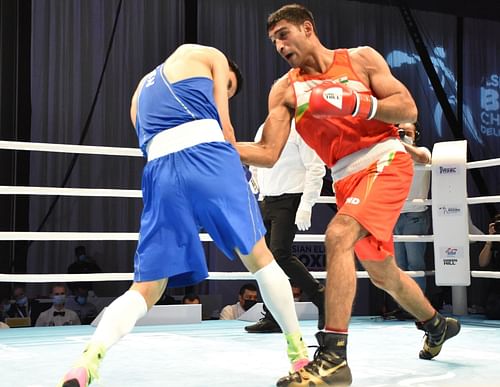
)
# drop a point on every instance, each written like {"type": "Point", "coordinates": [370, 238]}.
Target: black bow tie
{"type": "Point", "coordinates": [59, 313]}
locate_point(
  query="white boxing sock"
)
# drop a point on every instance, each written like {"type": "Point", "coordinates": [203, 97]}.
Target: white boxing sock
{"type": "Point", "coordinates": [119, 318]}
{"type": "Point", "coordinates": [277, 295]}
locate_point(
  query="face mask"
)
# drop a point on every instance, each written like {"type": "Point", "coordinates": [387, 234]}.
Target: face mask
{"type": "Point", "coordinates": [82, 257]}
{"type": "Point", "coordinates": [6, 307]}
{"type": "Point", "coordinates": [59, 299]}
{"type": "Point", "coordinates": [22, 301]}
{"type": "Point", "coordinates": [81, 300]}
{"type": "Point", "coordinates": [408, 140]}
{"type": "Point", "coordinates": [248, 304]}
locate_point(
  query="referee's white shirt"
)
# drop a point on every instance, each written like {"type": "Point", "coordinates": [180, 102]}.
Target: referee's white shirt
{"type": "Point", "coordinates": [298, 170]}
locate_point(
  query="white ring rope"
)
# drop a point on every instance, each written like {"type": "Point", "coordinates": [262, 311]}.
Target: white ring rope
{"type": "Point", "coordinates": [484, 238]}
{"type": "Point", "coordinates": [134, 193]}
{"type": "Point", "coordinates": [66, 148]}
{"type": "Point", "coordinates": [134, 152]}
{"type": "Point", "coordinates": [100, 192]}
{"type": "Point", "coordinates": [485, 274]}
{"type": "Point", "coordinates": [100, 277]}
{"type": "Point", "coordinates": [483, 199]}
{"type": "Point", "coordinates": [131, 236]}
{"type": "Point", "coordinates": [483, 163]}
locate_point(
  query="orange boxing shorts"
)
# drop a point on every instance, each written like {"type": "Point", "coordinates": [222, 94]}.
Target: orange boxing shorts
{"type": "Point", "coordinates": [374, 197]}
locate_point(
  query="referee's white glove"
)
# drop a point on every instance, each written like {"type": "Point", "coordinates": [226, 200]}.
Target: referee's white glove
{"type": "Point", "coordinates": [303, 219]}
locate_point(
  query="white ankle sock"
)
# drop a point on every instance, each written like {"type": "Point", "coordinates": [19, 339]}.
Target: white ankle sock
{"type": "Point", "coordinates": [119, 318]}
{"type": "Point", "coordinates": [277, 295]}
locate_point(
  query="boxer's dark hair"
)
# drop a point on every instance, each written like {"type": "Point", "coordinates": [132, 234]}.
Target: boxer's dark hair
{"type": "Point", "coordinates": [239, 78]}
{"type": "Point", "coordinates": [293, 13]}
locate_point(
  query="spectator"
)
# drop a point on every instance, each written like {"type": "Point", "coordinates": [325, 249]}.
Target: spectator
{"type": "Point", "coordinates": [58, 315]}
{"type": "Point", "coordinates": [489, 258]}
{"type": "Point", "coordinates": [166, 299]}
{"type": "Point", "coordinates": [80, 304]}
{"type": "Point", "coordinates": [414, 218]}
{"type": "Point", "coordinates": [5, 306]}
{"type": "Point", "coordinates": [297, 293]}
{"type": "Point", "coordinates": [21, 308]}
{"type": "Point", "coordinates": [191, 299]}
{"type": "Point", "coordinates": [83, 265]}
{"type": "Point", "coordinates": [246, 299]}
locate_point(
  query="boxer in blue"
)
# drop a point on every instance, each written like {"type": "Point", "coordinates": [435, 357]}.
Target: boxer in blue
{"type": "Point", "coordinates": [193, 179]}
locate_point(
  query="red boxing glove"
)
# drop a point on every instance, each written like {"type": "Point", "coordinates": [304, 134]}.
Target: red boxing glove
{"type": "Point", "coordinates": [331, 99]}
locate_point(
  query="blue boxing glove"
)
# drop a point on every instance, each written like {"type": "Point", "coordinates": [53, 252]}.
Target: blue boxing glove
{"type": "Point", "coordinates": [252, 182]}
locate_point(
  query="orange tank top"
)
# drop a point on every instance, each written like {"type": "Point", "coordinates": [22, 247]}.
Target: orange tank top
{"type": "Point", "coordinates": [335, 137]}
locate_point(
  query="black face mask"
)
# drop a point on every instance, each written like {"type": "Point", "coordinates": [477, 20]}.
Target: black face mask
{"type": "Point", "coordinates": [248, 304]}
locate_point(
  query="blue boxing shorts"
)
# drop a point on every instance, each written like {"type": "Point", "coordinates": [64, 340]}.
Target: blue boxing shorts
{"type": "Point", "coordinates": [202, 186]}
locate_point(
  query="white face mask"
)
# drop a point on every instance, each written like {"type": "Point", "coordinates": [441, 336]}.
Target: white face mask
{"type": "Point", "coordinates": [59, 299]}
{"type": "Point", "coordinates": [408, 140]}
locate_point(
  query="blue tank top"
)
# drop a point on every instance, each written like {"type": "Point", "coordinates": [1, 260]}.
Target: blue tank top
{"type": "Point", "coordinates": [163, 105]}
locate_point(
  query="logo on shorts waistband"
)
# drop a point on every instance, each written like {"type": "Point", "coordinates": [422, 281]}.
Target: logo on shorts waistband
{"type": "Point", "coordinates": [353, 200]}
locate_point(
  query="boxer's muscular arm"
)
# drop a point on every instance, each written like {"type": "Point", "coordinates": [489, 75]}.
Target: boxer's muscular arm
{"type": "Point", "coordinates": [395, 103]}
{"type": "Point", "coordinates": [391, 101]}
{"type": "Point", "coordinates": [276, 129]}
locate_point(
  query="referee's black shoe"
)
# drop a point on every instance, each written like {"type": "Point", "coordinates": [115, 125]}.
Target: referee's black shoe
{"type": "Point", "coordinates": [266, 324]}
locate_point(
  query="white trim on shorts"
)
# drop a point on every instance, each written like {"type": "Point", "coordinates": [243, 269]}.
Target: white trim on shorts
{"type": "Point", "coordinates": [184, 136]}
{"type": "Point", "coordinates": [363, 158]}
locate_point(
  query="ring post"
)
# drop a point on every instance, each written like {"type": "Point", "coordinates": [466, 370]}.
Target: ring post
{"type": "Point", "coordinates": [450, 220]}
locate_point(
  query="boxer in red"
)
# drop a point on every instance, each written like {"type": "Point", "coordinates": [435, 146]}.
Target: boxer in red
{"type": "Point", "coordinates": [345, 103]}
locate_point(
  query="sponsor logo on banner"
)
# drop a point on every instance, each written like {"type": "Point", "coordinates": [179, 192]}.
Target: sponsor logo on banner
{"type": "Point", "coordinates": [448, 170]}
{"type": "Point", "coordinates": [451, 255]}
{"type": "Point", "coordinates": [490, 106]}
{"type": "Point", "coordinates": [489, 96]}
{"type": "Point", "coordinates": [446, 210]}
{"type": "Point", "coordinates": [311, 255]}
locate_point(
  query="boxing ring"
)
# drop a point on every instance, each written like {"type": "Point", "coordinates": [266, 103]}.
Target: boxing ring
{"type": "Point", "coordinates": [221, 353]}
